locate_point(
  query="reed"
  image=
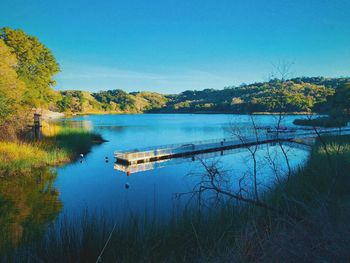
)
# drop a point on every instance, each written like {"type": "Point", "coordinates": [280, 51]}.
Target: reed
{"type": "Point", "coordinates": [65, 145]}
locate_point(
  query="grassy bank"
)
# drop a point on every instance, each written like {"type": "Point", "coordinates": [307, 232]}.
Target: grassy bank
{"type": "Point", "coordinates": [311, 225]}
{"type": "Point", "coordinates": [322, 122]}
{"type": "Point", "coordinates": [64, 145]}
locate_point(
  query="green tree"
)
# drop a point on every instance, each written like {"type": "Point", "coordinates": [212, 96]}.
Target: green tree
{"type": "Point", "coordinates": [36, 66]}
{"type": "Point", "coordinates": [11, 92]}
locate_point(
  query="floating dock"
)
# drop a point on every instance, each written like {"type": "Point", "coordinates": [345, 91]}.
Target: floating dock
{"type": "Point", "coordinates": [165, 152]}
{"type": "Point", "coordinates": [185, 149]}
{"type": "Point", "coordinates": [142, 167]}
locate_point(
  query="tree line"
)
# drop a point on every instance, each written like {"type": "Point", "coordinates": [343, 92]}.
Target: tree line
{"type": "Point", "coordinates": [321, 95]}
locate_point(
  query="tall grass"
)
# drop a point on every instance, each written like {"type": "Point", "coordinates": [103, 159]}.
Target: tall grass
{"type": "Point", "coordinates": [65, 145]}
{"type": "Point", "coordinates": [311, 226]}
{"type": "Point", "coordinates": [184, 238]}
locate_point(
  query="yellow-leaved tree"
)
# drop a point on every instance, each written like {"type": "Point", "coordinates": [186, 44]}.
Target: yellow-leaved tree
{"type": "Point", "coordinates": [12, 90]}
{"type": "Point", "coordinates": [36, 66]}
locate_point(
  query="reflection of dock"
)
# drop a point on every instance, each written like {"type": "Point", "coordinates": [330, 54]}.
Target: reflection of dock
{"type": "Point", "coordinates": [167, 152]}
{"type": "Point", "coordinates": [134, 168]}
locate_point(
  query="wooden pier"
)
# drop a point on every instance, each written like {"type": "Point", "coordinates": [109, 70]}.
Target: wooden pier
{"type": "Point", "coordinates": [166, 152]}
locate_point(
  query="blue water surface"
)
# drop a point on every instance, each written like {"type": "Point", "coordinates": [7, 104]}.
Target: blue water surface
{"type": "Point", "coordinates": [95, 185]}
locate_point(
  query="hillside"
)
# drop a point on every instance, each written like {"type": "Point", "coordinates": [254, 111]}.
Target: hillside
{"type": "Point", "coordinates": [111, 101]}
{"type": "Point", "coordinates": [297, 94]}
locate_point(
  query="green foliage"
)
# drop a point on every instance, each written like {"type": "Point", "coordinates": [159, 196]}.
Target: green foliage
{"type": "Point", "coordinates": [71, 101]}
{"type": "Point", "coordinates": [340, 102]}
{"type": "Point", "coordinates": [295, 95]}
{"type": "Point", "coordinates": [339, 110]}
{"type": "Point", "coordinates": [27, 68]}
{"type": "Point", "coordinates": [273, 96]}
{"type": "Point", "coordinates": [149, 100]}
{"type": "Point", "coordinates": [11, 88]}
{"type": "Point", "coordinates": [322, 81]}
{"type": "Point", "coordinates": [36, 65]}
{"type": "Point", "coordinates": [11, 92]}
{"type": "Point", "coordinates": [115, 100]}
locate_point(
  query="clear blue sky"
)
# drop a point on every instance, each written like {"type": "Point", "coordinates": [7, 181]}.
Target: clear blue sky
{"type": "Point", "coordinates": [171, 46]}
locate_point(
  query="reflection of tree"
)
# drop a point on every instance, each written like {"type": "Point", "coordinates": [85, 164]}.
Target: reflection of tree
{"type": "Point", "coordinates": [28, 203]}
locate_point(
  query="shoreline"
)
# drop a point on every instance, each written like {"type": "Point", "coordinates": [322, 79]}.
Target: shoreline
{"type": "Point", "coordinates": [64, 115]}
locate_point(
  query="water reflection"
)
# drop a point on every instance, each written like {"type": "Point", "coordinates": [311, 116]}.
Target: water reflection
{"type": "Point", "coordinates": [71, 123]}
{"type": "Point", "coordinates": [28, 203]}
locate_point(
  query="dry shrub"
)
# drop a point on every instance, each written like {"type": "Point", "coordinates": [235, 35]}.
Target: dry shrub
{"type": "Point", "coordinates": [15, 127]}
{"type": "Point", "coordinates": [8, 132]}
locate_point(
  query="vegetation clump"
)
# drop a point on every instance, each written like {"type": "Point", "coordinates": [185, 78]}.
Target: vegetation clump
{"type": "Point", "coordinates": [18, 157]}
{"type": "Point", "coordinates": [338, 113]}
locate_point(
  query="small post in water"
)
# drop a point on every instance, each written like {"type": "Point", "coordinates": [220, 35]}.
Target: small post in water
{"type": "Point", "coordinates": [37, 126]}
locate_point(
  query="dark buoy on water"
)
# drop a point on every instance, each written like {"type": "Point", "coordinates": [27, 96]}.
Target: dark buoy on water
{"type": "Point", "coordinates": [127, 185]}
{"type": "Point", "coordinates": [81, 157]}
{"type": "Point", "coordinates": [106, 159]}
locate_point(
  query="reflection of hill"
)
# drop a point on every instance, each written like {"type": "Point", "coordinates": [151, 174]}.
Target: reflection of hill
{"type": "Point", "coordinates": [28, 203]}
{"type": "Point", "coordinates": [113, 128]}
{"type": "Point", "coordinates": [80, 124]}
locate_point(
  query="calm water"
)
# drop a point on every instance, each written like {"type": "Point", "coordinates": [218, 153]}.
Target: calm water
{"type": "Point", "coordinates": [95, 185]}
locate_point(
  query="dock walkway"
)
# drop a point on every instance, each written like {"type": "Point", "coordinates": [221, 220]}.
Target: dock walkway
{"type": "Point", "coordinates": [165, 152]}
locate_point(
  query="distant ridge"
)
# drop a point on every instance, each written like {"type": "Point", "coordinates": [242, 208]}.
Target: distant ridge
{"type": "Point", "coordinates": [302, 94]}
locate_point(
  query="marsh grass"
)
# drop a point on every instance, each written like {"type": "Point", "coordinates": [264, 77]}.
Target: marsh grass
{"type": "Point", "coordinates": [65, 145]}
{"type": "Point", "coordinates": [312, 225]}
{"type": "Point", "coordinates": [325, 175]}
{"type": "Point", "coordinates": [137, 239]}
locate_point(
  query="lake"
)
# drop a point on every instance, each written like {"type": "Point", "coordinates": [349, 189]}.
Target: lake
{"type": "Point", "coordinates": [95, 185]}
